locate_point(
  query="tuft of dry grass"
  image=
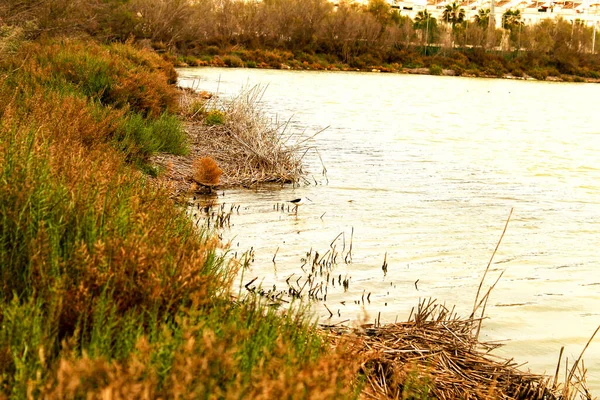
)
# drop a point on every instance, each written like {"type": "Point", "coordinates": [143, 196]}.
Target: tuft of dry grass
{"type": "Point", "coordinates": [206, 171]}
{"type": "Point", "coordinates": [251, 147]}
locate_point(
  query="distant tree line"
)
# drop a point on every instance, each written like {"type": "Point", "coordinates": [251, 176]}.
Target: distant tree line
{"type": "Point", "coordinates": [348, 32]}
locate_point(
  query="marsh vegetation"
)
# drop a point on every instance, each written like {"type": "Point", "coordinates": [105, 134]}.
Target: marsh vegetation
{"type": "Point", "coordinates": [107, 288]}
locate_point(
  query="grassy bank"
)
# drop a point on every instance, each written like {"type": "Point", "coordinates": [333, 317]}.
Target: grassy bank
{"type": "Point", "coordinates": [106, 288]}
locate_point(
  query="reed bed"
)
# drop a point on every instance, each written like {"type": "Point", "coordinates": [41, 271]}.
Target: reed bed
{"type": "Point", "coordinates": [250, 147]}
{"type": "Point", "coordinates": [437, 355]}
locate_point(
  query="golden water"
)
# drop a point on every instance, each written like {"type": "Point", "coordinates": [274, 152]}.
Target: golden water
{"type": "Point", "coordinates": [427, 169]}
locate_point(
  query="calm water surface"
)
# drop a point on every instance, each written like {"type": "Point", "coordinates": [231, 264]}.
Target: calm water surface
{"type": "Point", "coordinates": [427, 169]}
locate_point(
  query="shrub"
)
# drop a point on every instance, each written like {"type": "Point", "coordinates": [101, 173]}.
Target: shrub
{"type": "Point", "coordinates": [518, 72]}
{"type": "Point", "coordinates": [233, 61]}
{"type": "Point", "coordinates": [250, 64]}
{"type": "Point", "coordinates": [435, 70]}
{"type": "Point", "coordinates": [458, 70]}
{"type": "Point", "coordinates": [115, 75]}
{"type": "Point", "coordinates": [212, 50]}
{"type": "Point", "coordinates": [139, 138]}
{"type": "Point", "coordinates": [538, 73]}
{"type": "Point", "coordinates": [215, 117]}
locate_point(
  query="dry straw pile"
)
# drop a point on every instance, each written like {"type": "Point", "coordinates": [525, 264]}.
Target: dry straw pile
{"type": "Point", "coordinates": [246, 144]}
{"type": "Point", "coordinates": [436, 355]}
{"type": "Point", "coordinates": [249, 146]}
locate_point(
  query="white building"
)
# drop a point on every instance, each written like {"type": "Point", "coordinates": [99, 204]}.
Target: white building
{"type": "Point", "coordinates": [532, 11]}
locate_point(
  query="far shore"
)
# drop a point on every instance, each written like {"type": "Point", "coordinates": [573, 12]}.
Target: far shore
{"type": "Point", "coordinates": [219, 62]}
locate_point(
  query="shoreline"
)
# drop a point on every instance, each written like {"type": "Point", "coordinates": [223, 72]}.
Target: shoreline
{"type": "Point", "coordinates": [394, 353]}
{"type": "Point", "coordinates": [434, 70]}
{"type": "Point", "coordinates": [435, 353]}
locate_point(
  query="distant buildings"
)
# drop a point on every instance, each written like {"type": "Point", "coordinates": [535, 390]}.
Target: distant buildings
{"type": "Point", "coordinates": [532, 11]}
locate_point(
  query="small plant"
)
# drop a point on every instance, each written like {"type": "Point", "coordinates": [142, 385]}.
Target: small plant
{"type": "Point", "coordinates": [212, 50]}
{"type": "Point", "coordinates": [435, 70]}
{"type": "Point", "coordinates": [458, 70]}
{"type": "Point", "coordinates": [538, 73]}
{"type": "Point", "coordinates": [250, 64]}
{"type": "Point", "coordinates": [233, 61]}
{"type": "Point", "coordinates": [215, 117]}
{"type": "Point", "coordinates": [417, 385]}
{"type": "Point", "coordinates": [206, 171]}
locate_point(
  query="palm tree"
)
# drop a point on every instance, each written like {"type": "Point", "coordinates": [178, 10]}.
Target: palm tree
{"type": "Point", "coordinates": [482, 19]}
{"type": "Point", "coordinates": [421, 19]}
{"type": "Point", "coordinates": [511, 19]}
{"type": "Point", "coordinates": [425, 22]}
{"type": "Point", "coordinates": [454, 14]}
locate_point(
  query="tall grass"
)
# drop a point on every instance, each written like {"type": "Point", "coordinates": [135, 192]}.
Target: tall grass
{"type": "Point", "coordinates": [106, 288]}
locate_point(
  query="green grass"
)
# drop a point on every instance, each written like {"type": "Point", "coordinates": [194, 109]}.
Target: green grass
{"type": "Point", "coordinates": [214, 117]}
{"type": "Point", "coordinates": [141, 136]}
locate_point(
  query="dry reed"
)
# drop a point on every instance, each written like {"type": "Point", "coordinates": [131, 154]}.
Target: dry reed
{"type": "Point", "coordinates": [250, 147]}
{"type": "Point", "coordinates": [436, 354]}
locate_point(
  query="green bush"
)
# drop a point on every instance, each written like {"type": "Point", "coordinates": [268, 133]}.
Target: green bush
{"type": "Point", "coordinates": [215, 117]}
{"type": "Point", "coordinates": [142, 137]}
{"type": "Point", "coordinates": [435, 70]}
{"type": "Point", "coordinates": [233, 61]}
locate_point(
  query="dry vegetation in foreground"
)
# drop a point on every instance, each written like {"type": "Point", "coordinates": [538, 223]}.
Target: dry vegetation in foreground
{"type": "Point", "coordinates": [248, 146]}
{"type": "Point", "coordinates": [437, 355]}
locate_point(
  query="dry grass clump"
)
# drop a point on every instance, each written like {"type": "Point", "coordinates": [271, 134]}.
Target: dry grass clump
{"type": "Point", "coordinates": [206, 171]}
{"type": "Point", "coordinates": [436, 355]}
{"type": "Point", "coordinates": [193, 103]}
{"type": "Point", "coordinates": [249, 146]}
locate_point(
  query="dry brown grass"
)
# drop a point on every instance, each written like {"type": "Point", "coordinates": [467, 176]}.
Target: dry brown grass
{"type": "Point", "coordinates": [252, 146]}
{"type": "Point", "coordinates": [436, 355]}
{"type": "Point", "coordinates": [248, 146]}
{"type": "Point", "coordinates": [206, 171]}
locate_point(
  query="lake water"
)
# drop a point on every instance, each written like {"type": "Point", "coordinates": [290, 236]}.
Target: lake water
{"type": "Point", "coordinates": [423, 171]}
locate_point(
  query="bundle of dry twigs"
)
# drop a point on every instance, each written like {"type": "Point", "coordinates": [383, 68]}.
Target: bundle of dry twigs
{"type": "Point", "coordinates": [436, 355]}
{"type": "Point", "coordinates": [248, 146]}
{"type": "Point", "coordinates": [251, 147]}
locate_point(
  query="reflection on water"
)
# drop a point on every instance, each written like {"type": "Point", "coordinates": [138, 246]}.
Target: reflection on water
{"type": "Point", "coordinates": [426, 169]}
